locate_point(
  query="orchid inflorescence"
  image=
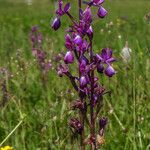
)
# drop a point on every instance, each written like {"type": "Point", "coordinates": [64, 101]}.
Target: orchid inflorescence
{"type": "Point", "coordinates": [37, 50]}
{"type": "Point", "coordinates": [79, 45]}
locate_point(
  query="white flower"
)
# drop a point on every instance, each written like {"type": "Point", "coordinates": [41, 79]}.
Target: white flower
{"type": "Point", "coordinates": [126, 53]}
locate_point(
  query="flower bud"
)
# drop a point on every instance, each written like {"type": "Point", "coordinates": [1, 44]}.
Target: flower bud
{"type": "Point", "coordinates": [78, 40]}
{"type": "Point", "coordinates": [69, 57]}
{"type": "Point", "coordinates": [78, 104]}
{"type": "Point", "coordinates": [102, 124]}
{"type": "Point", "coordinates": [83, 81]}
{"type": "Point", "coordinates": [56, 23]}
{"type": "Point", "coordinates": [100, 68]}
{"type": "Point", "coordinates": [67, 7]}
{"type": "Point", "coordinates": [110, 71]}
{"type": "Point", "coordinates": [102, 12]}
{"type": "Point", "coordinates": [90, 32]}
{"type": "Point", "coordinates": [98, 2]}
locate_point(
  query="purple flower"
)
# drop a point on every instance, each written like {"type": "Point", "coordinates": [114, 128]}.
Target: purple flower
{"type": "Point", "coordinates": [82, 27]}
{"type": "Point", "coordinates": [75, 123]}
{"type": "Point", "coordinates": [69, 44]}
{"type": "Point", "coordinates": [56, 23]}
{"type": "Point", "coordinates": [34, 29]}
{"type": "Point", "coordinates": [102, 12]}
{"type": "Point", "coordinates": [83, 63]}
{"type": "Point", "coordinates": [83, 81]}
{"type": "Point", "coordinates": [62, 69]}
{"type": "Point", "coordinates": [90, 32]}
{"type": "Point", "coordinates": [60, 11]}
{"type": "Point", "coordinates": [109, 71]}
{"type": "Point", "coordinates": [78, 104]}
{"type": "Point", "coordinates": [69, 57]}
{"type": "Point", "coordinates": [87, 16]}
{"type": "Point", "coordinates": [106, 56]}
{"type": "Point", "coordinates": [82, 47]}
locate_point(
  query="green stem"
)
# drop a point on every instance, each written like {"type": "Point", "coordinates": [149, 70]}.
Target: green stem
{"type": "Point", "coordinates": [11, 133]}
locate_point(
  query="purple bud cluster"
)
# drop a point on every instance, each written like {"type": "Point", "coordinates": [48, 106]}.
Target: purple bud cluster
{"type": "Point", "coordinates": [79, 45]}
{"type": "Point", "coordinates": [37, 51]}
{"type": "Point", "coordinates": [60, 12]}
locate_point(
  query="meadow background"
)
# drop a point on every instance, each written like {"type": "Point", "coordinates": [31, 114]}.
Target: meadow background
{"type": "Point", "coordinates": [40, 112]}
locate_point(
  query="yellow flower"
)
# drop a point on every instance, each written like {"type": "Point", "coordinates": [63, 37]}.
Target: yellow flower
{"type": "Point", "coordinates": [7, 148]}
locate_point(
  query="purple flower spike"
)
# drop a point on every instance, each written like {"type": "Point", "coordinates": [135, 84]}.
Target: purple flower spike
{"type": "Point", "coordinates": [83, 81]}
{"type": "Point", "coordinates": [78, 40]}
{"type": "Point", "coordinates": [56, 23]}
{"type": "Point", "coordinates": [69, 57]}
{"type": "Point", "coordinates": [110, 71]}
{"type": "Point", "coordinates": [67, 7]}
{"type": "Point", "coordinates": [100, 68]}
{"type": "Point", "coordinates": [90, 32]}
{"type": "Point", "coordinates": [102, 12]}
{"type": "Point", "coordinates": [80, 52]}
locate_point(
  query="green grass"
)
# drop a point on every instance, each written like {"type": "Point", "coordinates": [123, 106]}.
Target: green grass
{"type": "Point", "coordinates": [43, 111]}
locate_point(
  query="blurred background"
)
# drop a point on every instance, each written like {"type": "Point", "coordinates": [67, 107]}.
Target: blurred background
{"type": "Point", "coordinates": [40, 107]}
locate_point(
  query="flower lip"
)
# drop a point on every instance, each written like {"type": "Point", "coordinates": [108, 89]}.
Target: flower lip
{"type": "Point", "coordinates": [109, 71]}
{"type": "Point", "coordinates": [83, 81]}
{"type": "Point", "coordinates": [69, 57]}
